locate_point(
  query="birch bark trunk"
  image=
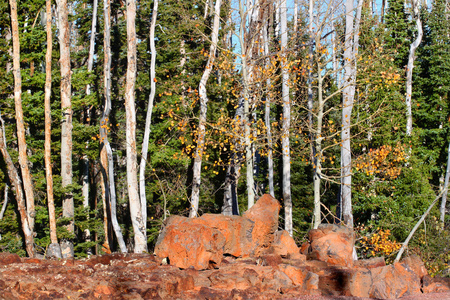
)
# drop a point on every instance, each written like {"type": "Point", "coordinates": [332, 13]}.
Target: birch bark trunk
{"type": "Point", "coordinates": [66, 127]}
{"type": "Point", "coordinates": [266, 41]}
{"type": "Point", "coordinates": [137, 220]}
{"type": "Point", "coordinates": [286, 123]}
{"type": "Point", "coordinates": [347, 106]}
{"type": "Point", "coordinates": [148, 119]}
{"type": "Point", "coordinates": [410, 66]}
{"type": "Point", "coordinates": [107, 155]}
{"type": "Point", "coordinates": [203, 109]}
{"type": "Point", "coordinates": [23, 158]}
{"type": "Point", "coordinates": [54, 250]}
{"type": "Point", "coordinates": [246, 50]}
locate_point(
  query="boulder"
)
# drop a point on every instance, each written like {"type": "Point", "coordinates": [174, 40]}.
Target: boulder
{"type": "Point", "coordinates": [236, 230]}
{"type": "Point", "coordinates": [284, 245]}
{"type": "Point", "coordinates": [186, 244]}
{"type": "Point", "coordinates": [416, 265]}
{"type": "Point", "coordinates": [264, 215]}
{"type": "Point", "coordinates": [435, 284]}
{"type": "Point", "coordinates": [370, 263]}
{"type": "Point", "coordinates": [360, 283]}
{"type": "Point", "coordinates": [394, 281]}
{"type": "Point", "coordinates": [332, 244]}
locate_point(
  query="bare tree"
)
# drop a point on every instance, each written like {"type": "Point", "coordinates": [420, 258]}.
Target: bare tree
{"type": "Point", "coordinates": [350, 50]}
{"type": "Point", "coordinates": [409, 68]}
{"type": "Point", "coordinates": [17, 187]}
{"type": "Point", "coordinates": [148, 119]}
{"type": "Point", "coordinates": [23, 158]}
{"type": "Point", "coordinates": [85, 158]}
{"type": "Point", "coordinates": [107, 160]}
{"type": "Point", "coordinates": [54, 249]}
{"type": "Point", "coordinates": [66, 127]}
{"type": "Point", "coordinates": [246, 41]}
{"type": "Point", "coordinates": [203, 109]}
{"type": "Point", "coordinates": [136, 209]}
{"type": "Point", "coordinates": [286, 122]}
{"type": "Point", "coordinates": [266, 42]}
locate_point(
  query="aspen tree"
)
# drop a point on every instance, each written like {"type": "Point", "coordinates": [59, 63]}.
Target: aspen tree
{"type": "Point", "coordinates": [54, 249]}
{"type": "Point", "coordinates": [137, 220]}
{"type": "Point", "coordinates": [203, 109]}
{"type": "Point", "coordinates": [66, 127]}
{"type": "Point", "coordinates": [148, 119]}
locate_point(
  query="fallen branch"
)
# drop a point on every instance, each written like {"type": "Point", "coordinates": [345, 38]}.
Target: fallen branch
{"type": "Point", "coordinates": [405, 243]}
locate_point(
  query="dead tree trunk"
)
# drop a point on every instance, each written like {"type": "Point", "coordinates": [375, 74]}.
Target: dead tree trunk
{"type": "Point", "coordinates": [20, 197]}
{"type": "Point", "coordinates": [107, 156]}
{"type": "Point", "coordinates": [148, 119]}
{"type": "Point", "coordinates": [66, 127]}
{"type": "Point", "coordinates": [23, 158]}
{"type": "Point", "coordinates": [54, 249]}
{"type": "Point", "coordinates": [140, 235]}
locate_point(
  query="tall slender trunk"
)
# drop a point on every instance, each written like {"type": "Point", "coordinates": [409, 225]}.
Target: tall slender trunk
{"type": "Point", "coordinates": [318, 146]}
{"type": "Point", "coordinates": [230, 202]}
{"type": "Point", "coordinates": [105, 181]}
{"type": "Point", "coordinates": [443, 208]}
{"type": "Point", "coordinates": [54, 249]}
{"type": "Point", "coordinates": [350, 52]}
{"type": "Point", "coordinates": [286, 122]}
{"type": "Point", "coordinates": [203, 109]}
{"type": "Point", "coordinates": [20, 197]}
{"type": "Point", "coordinates": [23, 158]}
{"type": "Point", "coordinates": [106, 155]}
{"type": "Point", "coordinates": [140, 235]}
{"type": "Point", "coordinates": [66, 127]}
{"type": "Point", "coordinates": [5, 201]}
{"type": "Point", "coordinates": [148, 119]}
{"type": "Point", "coordinates": [85, 159]}
{"type": "Point", "coordinates": [266, 41]}
{"type": "Point", "coordinates": [410, 66]}
{"type": "Point", "coordinates": [245, 46]}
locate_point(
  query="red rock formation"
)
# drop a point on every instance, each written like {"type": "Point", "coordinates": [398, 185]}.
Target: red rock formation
{"type": "Point", "coordinates": [255, 267]}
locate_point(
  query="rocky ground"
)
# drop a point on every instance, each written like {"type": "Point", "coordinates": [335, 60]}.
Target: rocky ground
{"type": "Point", "coordinates": [140, 276]}
{"type": "Point", "coordinates": [225, 257]}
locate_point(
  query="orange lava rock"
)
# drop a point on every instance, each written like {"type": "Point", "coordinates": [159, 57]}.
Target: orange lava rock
{"type": "Point", "coordinates": [264, 214]}
{"type": "Point", "coordinates": [332, 244]}
{"type": "Point", "coordinates": [186, 244]}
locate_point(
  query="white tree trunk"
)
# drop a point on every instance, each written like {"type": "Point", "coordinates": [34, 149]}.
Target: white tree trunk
{"type": "Point", "coordinates": [203, 109]}
{"type": "Point", "coordinates": [148, 119]}
{"type": "Point", "coordinates": [266, 40]}
{"type": "Point", "coordinates": [410, 66]}
{"type": "Point", "coordinates": [246, 46]}
{"type": "Point", "coordinates": [5, 201]}
{"type": "Point", "coordinates": [443, 208]}
{"type": "Point", "coordinates": [347, 106]}
{"type": "Point", "coordinates": [108, 161]}
{"type": "Point", "coordinates": [137, 220]}
{"type": "Point", "coordinates": [66, 127]}
{"type": "Point", "coordinates": [286, 122]}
